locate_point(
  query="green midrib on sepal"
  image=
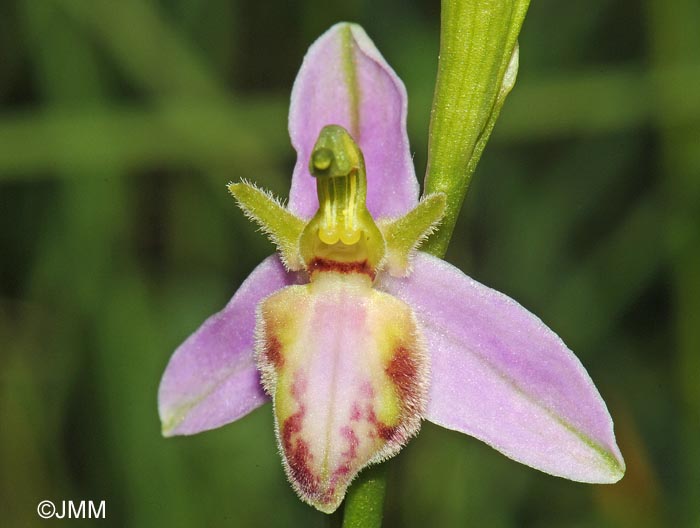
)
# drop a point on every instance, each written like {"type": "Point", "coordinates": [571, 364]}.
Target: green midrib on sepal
{"type": "Point", "coordinates": [179, 413]}
{"type": "Point", "coordinates": [615, 467]}
{"type": "Point", "coordinates": [353, 87]}
{"type": "Point", "coordinates": [617, 470]}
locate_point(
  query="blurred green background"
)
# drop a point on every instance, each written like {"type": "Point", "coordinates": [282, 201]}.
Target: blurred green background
{"type": "Point", "coordinates": [122, 121]}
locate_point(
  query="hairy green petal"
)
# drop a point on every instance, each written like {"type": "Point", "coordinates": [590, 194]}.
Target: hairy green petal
{"type": "Point", "coordinates": [403, 235]}
{"type": "Point", "coordinates": [283, 228]}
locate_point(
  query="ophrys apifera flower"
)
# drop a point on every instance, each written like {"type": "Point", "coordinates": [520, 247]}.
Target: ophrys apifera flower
{"type": "Point", "coordinates": [355, 334]}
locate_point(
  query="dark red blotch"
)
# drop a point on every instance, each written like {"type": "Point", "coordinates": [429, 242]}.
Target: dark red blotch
{"type": "Point", "coordinates": [403, 371]}
{"type": "Point", "coordinates": [298, 454]}
{"type": "Point", "coordinates": [321, 264]}
{"type": "Point", "coordinates": [273, 352]}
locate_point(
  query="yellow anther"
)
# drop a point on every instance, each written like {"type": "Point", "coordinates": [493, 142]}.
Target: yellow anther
{"type": "Point", "coordinates": [328, 236]}
{"type": "Point", "coordinates": [350, 238]}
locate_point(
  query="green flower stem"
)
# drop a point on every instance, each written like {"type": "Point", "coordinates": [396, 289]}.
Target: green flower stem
{"type": "Point", "coordinates": [476, 71]}
{"type": "Point", "coordinates": [364, 504]}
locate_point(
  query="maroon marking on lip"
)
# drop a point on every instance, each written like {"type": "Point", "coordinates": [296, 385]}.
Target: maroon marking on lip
{"type": "Point", "coordinates": [321, 264]}
{"type": "Point", "coordinates": [353, 442]}
{"type": "Point", "coordinates": [273, 352]}
{"type": "Point", "coordinates": [343, 470]}
{"type": "Point", "coordinates": [355, 412]}
{"type": "Point", "coordinates": [298, 388]}
{"type": "Point", "coordinates": [299, 455]}
{"type": "Point", "coordinates": [299, 459]}
{"type": "Point", "coordinates": [367, 390]}
{"type": "Point", "coordinates": [291, 427]}
{"type": "Point", "coordinates": [370, 414]}
{"type": "Point", "coordinates": [402, 370]}
{"type": "Point", "coordinates": [386, 432]}
{"type": "Point", "coordinates": [380, 429]}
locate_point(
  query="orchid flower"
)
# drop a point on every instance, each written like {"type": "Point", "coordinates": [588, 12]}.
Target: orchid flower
{"type": "Point", "coordinates": [355, 334]}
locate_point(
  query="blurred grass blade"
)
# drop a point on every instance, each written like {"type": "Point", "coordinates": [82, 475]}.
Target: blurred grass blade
{"type": "Point", "coordinates": [611, 278]}
{"type": "Point", "coordinates": [190, 133]}
{"type": "Point", "coordinates": [675, 40]}
{"type": "Point", "coordinates": [147, 48]}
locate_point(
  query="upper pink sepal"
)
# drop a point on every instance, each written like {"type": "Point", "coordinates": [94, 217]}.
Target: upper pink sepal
{"type": "Point", "coordinates": [500, 374]}
{"type": "Point", "coordinates": [211, 379]}
{"type": "Point", "coordinates": [344, 80]}
{"type": "Point", "coordinates": [346, 369]}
